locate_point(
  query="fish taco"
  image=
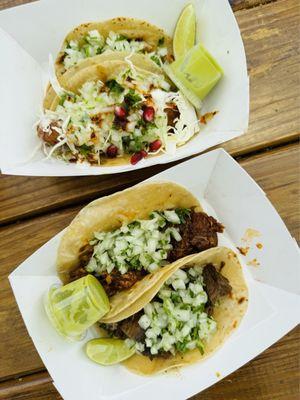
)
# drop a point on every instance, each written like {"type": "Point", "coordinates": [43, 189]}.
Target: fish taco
{"type": "Point", "coordinates": [118, 34]}
{"type": "Point", "coordinates": [114, 112]}
{"type": "Point", "coordinates": [182, 317]}
{"type": "Point", "coordinates": [121, 239]}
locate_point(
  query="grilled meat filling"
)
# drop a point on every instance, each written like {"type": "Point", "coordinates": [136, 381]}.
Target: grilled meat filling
{"type": "Point", "coordinates": [198, 233]}
{"type": "Point", "coordinates": [216, 286]}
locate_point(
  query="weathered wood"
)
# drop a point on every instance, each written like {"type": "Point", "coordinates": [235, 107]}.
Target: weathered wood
{"type": "Point", "coordinates": [244, 4]}
{"type": "Point", "coordinates": [12, 3]}
{"type": "Point", "coordinates": [276, 171]}
{"type": "Point", "coordinates": [273, 375]}
{"type": "Point", "coordinates": [269, 34]}
{"type": "Point", "coordinates": [236, 4]}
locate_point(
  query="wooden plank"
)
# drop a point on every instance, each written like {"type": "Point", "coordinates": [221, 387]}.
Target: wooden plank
{"type": "Point", "coordinates": [273, 375]}
{"type": "Point", "coordinates": [245, 4]}
{"type": "Point", "coordinates": [269, 34]}
{"type": "Point", "coordinates": [276, 171]}
{"type": "Point", "coordinates": [12, 3]}
{"type": "Point", "coordinates": [236, 4]}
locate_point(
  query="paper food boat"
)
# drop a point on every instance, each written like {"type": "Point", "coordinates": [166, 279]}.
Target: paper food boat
{"type": "Point", "coordinates": [32, 31]}
{"type": "Point", "coordinates": [227, 192]}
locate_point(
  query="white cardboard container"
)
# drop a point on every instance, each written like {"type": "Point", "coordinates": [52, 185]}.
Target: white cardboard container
{"type": "Point", "coordinates": [28, 33]}
{"type": "Point", "coordinates": [226, 191]}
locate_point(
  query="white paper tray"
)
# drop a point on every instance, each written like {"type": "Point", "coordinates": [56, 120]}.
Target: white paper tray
{"type": "Point", "coordinates": [32, 31]}
{"type": "Point", "coordinates": [229, 193]}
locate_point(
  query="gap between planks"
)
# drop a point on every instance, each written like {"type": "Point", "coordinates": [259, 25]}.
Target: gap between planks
{"type": "Point", "coordinates": [130, 179]}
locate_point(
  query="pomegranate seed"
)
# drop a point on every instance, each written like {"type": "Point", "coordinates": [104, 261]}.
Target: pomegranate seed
{"type": "Point", "coordinates": [112, 151]}
{"type": "Point", "coordinates": [148, 114]}
{"type": "Point", "coordinates": [120, 112]}
{"type": "Point", "coordinates": [136, 157]}
{"type": "Point", "coordinates": [144, 153]}
{"type": "Point", "coordinates": [154, 146]}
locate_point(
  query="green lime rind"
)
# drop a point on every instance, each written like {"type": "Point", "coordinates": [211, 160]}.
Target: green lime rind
{"type": "Point", "coordinates": [108, 351]}
{"type": "Point", "coordinates": [194, 99]}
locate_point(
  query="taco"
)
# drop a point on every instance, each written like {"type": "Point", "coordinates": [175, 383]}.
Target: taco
{"type": "Point", "coordinates": [123, 238]}
{"type": "Point", "coordinates": [118, 34]}
{"type": "Point", "coordinates": [182, 317]}
{"type": "Point", "coordinates": [115, 112]}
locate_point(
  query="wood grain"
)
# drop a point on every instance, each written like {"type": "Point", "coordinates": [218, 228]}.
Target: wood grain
{"type": "Point", "coordinates": [236, 4]}
{"type": "Point", "coordinates": [276, 171]}
{"type": "Point", "coordinates": [269, 34]}
{"type": "Point", "coordinates": [280, 364]}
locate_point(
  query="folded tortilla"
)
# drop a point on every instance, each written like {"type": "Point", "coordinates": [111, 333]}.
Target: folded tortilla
{"type": "Point", "coordinates": [101, 67]}
{"type": "Point", "coordinates": [228, 313]}
{"type": "Point", "coordinates": [110, 212]}
{"type": "Point", "coordinates": [130, 27]}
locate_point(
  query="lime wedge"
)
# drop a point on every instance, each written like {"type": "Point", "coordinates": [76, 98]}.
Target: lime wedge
{"type": "Point", "coordinates": [195, 74]}
{"type": "Point", "coordinates": [185, 32]}
{"type": "Point", "coordinates": [107, 351]}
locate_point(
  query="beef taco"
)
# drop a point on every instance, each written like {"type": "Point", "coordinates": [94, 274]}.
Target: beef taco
{"type": "Point", "coordinates": [185, 315]}
{"type": "Point", "coordinates": [118, 34]}
{"type": "Point", "coordinates": [128, 236]}
{"type": "Point", "coordinates": [115, 112]}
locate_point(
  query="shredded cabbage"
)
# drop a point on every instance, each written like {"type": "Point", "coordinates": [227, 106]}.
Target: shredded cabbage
{"type": "Point", "coordinates": [94, 43]}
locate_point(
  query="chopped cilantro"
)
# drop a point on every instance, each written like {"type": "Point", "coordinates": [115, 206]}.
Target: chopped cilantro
{"type": "Point", "coordinates": [132, 98]}
{"type": "Point", "coordinates": [62, 99]}
{"type": "Point", "coordinates": [183, 213]}
{"type": "Point", "coordinates": [85, 150]}
{"type": "Point", "coordinates": [156, 59]}
{"type": "Point", "coordinates": [114, 86]}
{"type": "Point", "coordinates": [121, 37]}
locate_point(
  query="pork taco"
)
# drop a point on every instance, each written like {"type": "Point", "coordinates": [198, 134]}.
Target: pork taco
{"type": "Point", "coordinates": [118, 34]}
{"type": "Point", "coordinates": [125, 237]}
{"type": "Point", "coordinates": [184, 316]}
{"type": "Point", "coordinates": [115, 112]}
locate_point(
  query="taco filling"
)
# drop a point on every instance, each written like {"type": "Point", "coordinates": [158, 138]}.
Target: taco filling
{"type": "Point", "coordinates": [93, 43]}
{"type": "Point", "coordinates": [121, 257]}
{"type": "Point", "coordinates": [179, 318]}
{"type": "Point", "coordinates": [132, 114]}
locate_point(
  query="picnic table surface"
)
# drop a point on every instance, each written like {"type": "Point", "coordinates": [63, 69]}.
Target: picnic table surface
{"type": "Point", "coordinates": [33, 209]}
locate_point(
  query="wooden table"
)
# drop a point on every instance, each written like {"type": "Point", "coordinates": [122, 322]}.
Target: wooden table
{"type": "Point", "coordinates": [34, 209]}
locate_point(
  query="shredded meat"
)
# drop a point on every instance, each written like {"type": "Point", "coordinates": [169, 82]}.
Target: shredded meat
{"type": "Point", "coordinates": [128, 328]}
{"type": "Point", "coordinates": [172, 113]}
{"type": "Point", "coordinates": [198, 233]}
{"type": "Point", "coordinates": [216, 286]}
{"type": "Point", "coordinates": [116, 282]}
{"type": "Point", "coordinates": [49, 135]}
{"type": "Point", "coordinates": [112, 283]}
{"type": "Point", "coordinates": [77, 274]}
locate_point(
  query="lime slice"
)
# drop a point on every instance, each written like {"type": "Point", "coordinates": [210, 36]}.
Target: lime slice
{"type": "Point", "coordinates": [107, 351]}
{"type": "Point", "coordinates": [185, 32]}
{"type": "Point", "coordinates": [195, 74]}
{"type": "Point", "coordinates": [191, 96]}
